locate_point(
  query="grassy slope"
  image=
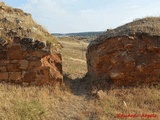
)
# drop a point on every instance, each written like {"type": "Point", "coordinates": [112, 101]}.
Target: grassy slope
{"type": "Point", "coordinates": [149, 25]}
{"type": "Point", "coordinates": [74, 102]}
{"type": "Point", "coordinates": [15, 22]}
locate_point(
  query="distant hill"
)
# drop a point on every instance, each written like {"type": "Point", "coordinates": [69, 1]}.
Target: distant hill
{"type": "Point", "coordinates": [80, 34]}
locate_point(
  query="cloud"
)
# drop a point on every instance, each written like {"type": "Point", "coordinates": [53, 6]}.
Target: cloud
{"type": "Point", "coordinates": [57, 16]}
{"type": "Point", "coordinates": [52, 14]}
{"type": "Point", "coordinates": [80, 15]}
{"type": "Point", "coordinates": [132, 7]}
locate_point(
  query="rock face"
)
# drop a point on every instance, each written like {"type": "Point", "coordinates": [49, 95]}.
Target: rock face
{"type": "Point", "coordinates": [26, 59]}
{"type": "Point", "coordinates": [126, 58]}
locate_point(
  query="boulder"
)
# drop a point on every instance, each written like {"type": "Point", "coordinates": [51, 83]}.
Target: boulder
{"type": "Point", "coordinates": [128, 55]}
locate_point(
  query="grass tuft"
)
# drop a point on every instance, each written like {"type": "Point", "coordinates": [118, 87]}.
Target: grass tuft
{"type": "Point", "coordinates": [29, 110]}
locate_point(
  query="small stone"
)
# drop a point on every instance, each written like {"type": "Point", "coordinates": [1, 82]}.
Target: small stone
{"type": "Point", "coordinates": [39, 44]}
{"type": "Point", "coordinates": [100, 94]}
{"type": "Point", "coordinates": [113, 61]}
{"type": "Point", "coordinates": [128, 46]}
{"type": "Point", "coordinates": [131, 37]}
{"type": "Point", "coordinates": [117, 75]}
{"type": "Point", "coordinates": [129, 59]}
{"type": "Point", "coordinates": [140, 68]}
{"type": "Point", "coordinates": [125, 104]}
{"type": "Point", "coordinates": [153, 48]}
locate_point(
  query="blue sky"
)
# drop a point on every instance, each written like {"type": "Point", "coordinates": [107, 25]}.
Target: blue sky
{"type": "Point", "coordinates": [64, 16]}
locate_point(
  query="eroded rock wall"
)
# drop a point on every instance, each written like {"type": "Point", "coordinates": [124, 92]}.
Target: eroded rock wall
{"type": "Point", "coordinates": [28, 61]}
{"type": "Point", "coordinates": [126, 60]}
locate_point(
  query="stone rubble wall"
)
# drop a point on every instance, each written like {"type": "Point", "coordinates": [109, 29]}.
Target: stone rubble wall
{"type": "Point", "coordinates": [28, 61]}
{"type": "Point", "coordinates": [125, 60]}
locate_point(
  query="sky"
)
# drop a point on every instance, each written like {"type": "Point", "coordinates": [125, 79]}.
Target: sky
{"type": "Point", "coordinates": [66, 16]}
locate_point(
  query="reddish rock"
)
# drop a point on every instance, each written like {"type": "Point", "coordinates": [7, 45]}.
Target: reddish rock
{"type": "Point", "coordinates": [47, 69]}
{"type": "Point", "coordinates": [13, 67]}
{"type": "Point", "coordinates": [125, 58]}
{"type": "Point", "coordinates": [4, 75]}
{"type": "Point", "coordinates": [23, 64]}
{"type": "Point", "coordinates": [4, 62]}
{"type": "Point", "coordinates": [14, 52]}
{"type": "Point", "coordinates": [15, 76]}
{"type": "Point", "coordinates": [28, 53]}
{"type": "Point", "coordinates": [3, 55]}
{"type": "Point", "coordinates": [55, 62]}
{"type": "Point", "coordinates": [43, 75]}
{"type": "Point", "coordinates": [34, 64]}
{"type": "Point", "coordinates": [3, 69]}
{"type": "Point", "coordinates": [29, 76]}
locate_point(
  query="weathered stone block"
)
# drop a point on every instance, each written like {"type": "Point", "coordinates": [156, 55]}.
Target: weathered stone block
{"type": "Point", "coordinates": [23, 64]}
{"type": "Point", "coordinates": [15, 76]}
{"type": "Point", "coordinates": [40, 53]}
{"type": "Point", "coordinates": [13, 68]}
{"type": "Point", "coordinates": [3, 55]}
{"type": "Point", "coordinates": [14, 61]}
{"type": "Point", "coordinates": [3, 75]}
{"type": "Point", "coordinates": [3, 69]}
{"type": "Point", "coordinates": [29, 76]}
{"type": "Point", "coordinates": [16, 40]}
{"type": "Point", "coordinates": [4, 62]}
{"type": "Point", "coordinates": [115, 75]}
{"type": "Point", "coordinates": [34, 64]}
{"type": "Point", "coordinates": [27, 54]}
{"type": "Point", "coordinates": [43, 73]}
{"type": "Point", "coordinates": [33, 58]}
{"type": "Point", "coordinates": [14, 52]}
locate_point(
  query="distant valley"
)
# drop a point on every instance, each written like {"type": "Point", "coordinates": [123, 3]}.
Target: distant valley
{"type": "Point", "coordinates": [80, 34]}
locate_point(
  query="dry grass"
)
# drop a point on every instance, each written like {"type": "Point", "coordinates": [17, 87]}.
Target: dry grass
{"type": "Point", "coordinates": [74, 101]}
{"type": "Point", "coordinates": [74, 58]}
{"type": "Point", "coordinates": [148, 25]}
{"type": "Point", "coordinates": [15, 22]}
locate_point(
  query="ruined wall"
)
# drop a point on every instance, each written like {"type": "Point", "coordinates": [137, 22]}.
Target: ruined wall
{"type": "Point", "coordinates": [28, 61]}
{"type": "Point", "coordinates": [125, 60]}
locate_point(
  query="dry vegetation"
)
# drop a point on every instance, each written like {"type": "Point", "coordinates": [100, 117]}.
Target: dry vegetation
{"type": "Point", "coordinates": [74, 101]}
{"type": "Point", "coordinates": [149, 25]}
{"type": "Point", "coordinates": [15, 22]}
